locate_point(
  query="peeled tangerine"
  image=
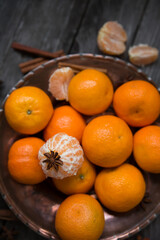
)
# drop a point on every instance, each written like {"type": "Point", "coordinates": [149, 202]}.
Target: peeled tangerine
{"type": "Point", "coordinates": [111, 38]}
{"type": "Point", "coordinates": [142, 54]}
{"type": "Point", "coordinates": [59, 81]}
{"type": "Point", "coordinates": [61, 156]}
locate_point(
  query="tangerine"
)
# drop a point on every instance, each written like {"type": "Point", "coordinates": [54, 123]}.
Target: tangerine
{"type": "Point", "coordinates": [61, 156]}
{"type": "Point", "coordinates": [90, 92]}
{"type": "Point", "coordinates": [80, 217]}
{"type": "Point", "coordinates": [120, 189]}
{"type": "Point", "coordinates": [137, 102]}
{"type": "Point", "coordinates": [59, 81]}
{"type": "Point", "coordinates": [107, 141]}
{"type": "Point", "coordinates": [146, 148]}
{"type": "Point", "coordinates": [28, 110]}
{"type": "Point", "coordinates": [23, 163]}
{"type": "Point", "coordinates": [82, 182]}
{"type": "Point", "coordinates": [65, 119]}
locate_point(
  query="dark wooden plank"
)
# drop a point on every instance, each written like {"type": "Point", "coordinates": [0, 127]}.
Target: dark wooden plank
{"type": "Point", "coordinates": [128, 13]}
{"type": "Point", "coordinates": [148, 33]}
{"type": "Point", "coordinates": [10, 18]}
{"type": "Point", "coordinates": [51, 25]}
{"type": "Point", "coordinates": [48, 25]}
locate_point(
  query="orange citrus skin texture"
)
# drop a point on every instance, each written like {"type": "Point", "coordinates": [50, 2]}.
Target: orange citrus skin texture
{"type": "Point", "coordinates": [137, 102]}
{"type": "Point", "coordinates": [80, 217]}
{"type": "Point", "coordinates": [23, 163]}
{"type": "Point", "coordinates": [65, 119]}
{"type": "Point", "coordinates": [90, 92]}
{"type": "Point", "coordinates": [147, 148]}
{"type": "Point", "coordinates": [82, 182]}
{"type": "Point", "coordinates": [120, 189]}
{"type": "Point", "coordinates": [28, 110]}
{"type": "Point", "coordinates": [107, 141]}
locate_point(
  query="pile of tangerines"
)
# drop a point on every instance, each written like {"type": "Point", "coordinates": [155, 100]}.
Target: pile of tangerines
{"type": "Point", "coordinates": [71, 148]}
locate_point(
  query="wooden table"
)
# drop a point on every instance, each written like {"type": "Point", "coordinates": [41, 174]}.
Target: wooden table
{"type": "Point", "coordinates": [71, 25]}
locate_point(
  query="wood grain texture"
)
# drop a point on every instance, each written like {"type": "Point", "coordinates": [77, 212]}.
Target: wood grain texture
{"type": "Point", "coordinates": [73, 26]}
{"type": "Point", "coordinates": [10, 18]}
{"type": "Point", "coordinates": [149, 33]}
{"type": "Point", "coordinates": [48, 25]}
{"type": "Point", "coordinates": [127, 13]}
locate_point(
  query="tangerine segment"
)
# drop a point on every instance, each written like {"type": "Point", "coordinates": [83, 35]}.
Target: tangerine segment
{"type": "Point", "coordinates": [59, 81]}
{"type": "Point", "coordinates": [61, 156]}
{"type": "Point", "coordinates": [111, 38]}
{"type": "Point", "coordinates": [23, 163]}
{"type": "Point", "coordinates": [80, 217]}
{"type": "Point", "coordinates": [143, 54]}
{"type": "Point", "coordinates": [147, 148]}
{"type": "Point", "coordinates": [65, 119]}
{"type": "Point", "coordinates": [120, 189]}
{"type": "Point", "coordinates": [107, 141]}
{"type": "Point", "coordinates": [115, 30]}
{"type": "Point", "coordinates": [137, 102]}
{"type": "Point", "coordinates": [90, 92]}
{"type": "Point", "coordinates": [28, 110]}
{"type": "Point", "coordinates": [110, 45]}
{"type": "Point", "coordinates": [82, 182]}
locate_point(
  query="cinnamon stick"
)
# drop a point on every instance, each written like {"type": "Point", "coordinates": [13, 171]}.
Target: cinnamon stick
{"type": "Point", "coordinates": [6, 214]}
{"type": "Point", "coordinates": [32, 66]}
{"type": "Point", "coordinates": [31, 62]}
{"type": "Point", "coordinates": [79, 67]}
{"type": "Point", "coordinates": [36, 51]}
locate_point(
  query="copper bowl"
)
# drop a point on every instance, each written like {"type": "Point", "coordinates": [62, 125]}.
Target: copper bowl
{"type": "Point", "coordinates": [36, 205]}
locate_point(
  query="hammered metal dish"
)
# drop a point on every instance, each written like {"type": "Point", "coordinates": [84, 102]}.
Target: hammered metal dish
{"type": "Point", "coordinates": [36, 205]}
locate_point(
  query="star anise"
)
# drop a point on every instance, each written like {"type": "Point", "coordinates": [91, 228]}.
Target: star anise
{"type": "Point", "coordinates": [53, 160]}
{"type": "Point", "coordinates": [7, 234]}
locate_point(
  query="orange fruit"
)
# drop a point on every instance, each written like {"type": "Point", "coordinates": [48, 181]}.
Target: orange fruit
{"type": "Point", "coordinates": [90, 92]}
{"type": "Point", "coordinates": [23, 163]}
{"type": "Point", "coordinates": [61, 156]}
{"type": "Point", "coordinates": [146, 148]}
{"type": "Point", "coordinates": [137, 102]}
{"type": "Point", "coordinates": [82, 182]}
{"type": "Point", "coordinates": [28, 110]}
{"type": "Point", "coordinates": [65, 119]}
{"type": "Point", "coordinates": [79, 217]}
{"type": "Point", "coordinates": [111, 38]}
{"type": "Point", "coordinates": [142, 54]}
{"type": "Point", "coordinates": [120, 189]}
{"type": "Point", "coordinates": [107, 141]}
{"type": "Point", "coordinates": [59, 81]}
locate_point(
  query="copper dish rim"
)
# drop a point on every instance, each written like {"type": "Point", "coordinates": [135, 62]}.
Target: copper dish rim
{"type": "Point", "coordinates": [7, 198]}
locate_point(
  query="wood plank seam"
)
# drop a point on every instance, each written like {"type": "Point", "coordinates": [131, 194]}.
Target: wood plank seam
{"type": "Point", "coordinates": [14, 33]}
{"type": "Point", "coordinates": [140, 20]}
{"type": "Point", "coordinates": [79, 25]}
